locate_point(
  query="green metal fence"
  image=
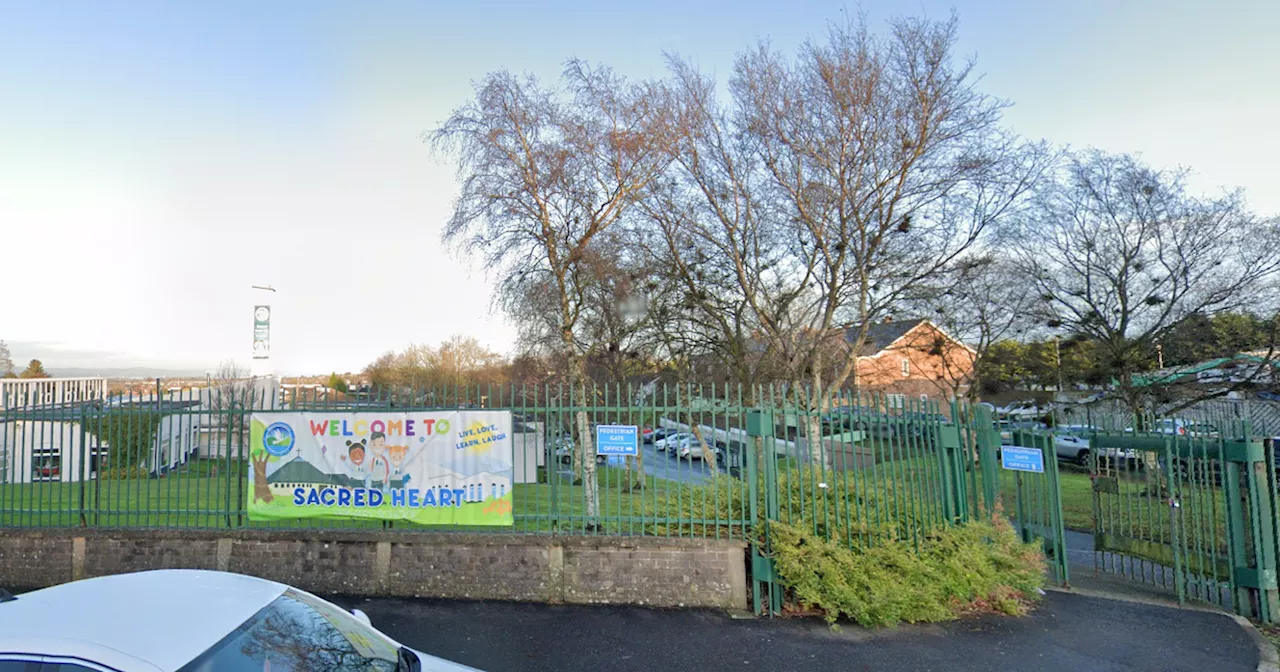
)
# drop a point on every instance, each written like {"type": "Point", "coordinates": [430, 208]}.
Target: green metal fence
{"type": "Point", "coordinates": [180, 460]}
{"type": "Point", "coordinates": [854, 468]}
{"type": "Point", "coordinates": [1185, 507]}
{"type": "Point", "coordinates": [1032, 500]}
{"type": "Point", "coordinates": [1189, 512]}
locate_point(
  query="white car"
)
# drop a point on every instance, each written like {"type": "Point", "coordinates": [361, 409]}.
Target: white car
{"type": "Point", "coordinates": [669, 442]}
{"type": "Point", "coordinates": [194, 621]}
{"type": "Point", "coordinates": [1069, 445]}
{"type": "Point", "coordinates": [692, 449]}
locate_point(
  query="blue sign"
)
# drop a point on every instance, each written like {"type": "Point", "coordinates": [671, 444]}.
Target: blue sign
{"type": "Point", "coordinates": [278, 439]}
{"type": "Point", "coordinates": [617, 440]}
{"type": "Point", "coordinates": [1014, 458]}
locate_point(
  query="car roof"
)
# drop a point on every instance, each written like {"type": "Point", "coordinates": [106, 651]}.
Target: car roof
{"type": "Point", "coordinates": [164, 618]}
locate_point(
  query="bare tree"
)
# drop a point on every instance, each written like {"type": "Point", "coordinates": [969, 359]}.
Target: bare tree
{"type": "Point", "coordinates": [462, 361]}
{"type": "Point", "coordinates": [436, 375]}
{"type": "Point", "coordinates": [838, 187]}
{"type": "Point", "coordinates": [982, 300]}
{"type": "Point", "coordinates": [1121, 254]}
{"type": "Point", "coordinates": [544, 174]}
{"type": "Point", "coordinates": [6, 361]}
{"type": "Point", "coordinates": [230, 401]}
{"type": "Point", "coordinates": [715, 251]}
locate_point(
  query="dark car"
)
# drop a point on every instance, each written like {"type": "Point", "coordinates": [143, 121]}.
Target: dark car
{"type": "Point", "coordinates": [659, 433]}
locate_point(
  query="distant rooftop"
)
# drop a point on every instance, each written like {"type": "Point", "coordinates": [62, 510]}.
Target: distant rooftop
{"type": "Point", "coordinates": [881, 335]}
{"type": "Point", "coordinates": [72, 411]}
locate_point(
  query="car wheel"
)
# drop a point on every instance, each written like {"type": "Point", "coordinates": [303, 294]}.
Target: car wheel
{"type": "Point", "coordinates": [601, 459]}
{"type": "Point", "coordinates": [1082, 458]}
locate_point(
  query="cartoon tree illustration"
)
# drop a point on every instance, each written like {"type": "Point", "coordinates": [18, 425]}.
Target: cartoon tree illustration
{"type": "Point", "coordinates": [261, 489]}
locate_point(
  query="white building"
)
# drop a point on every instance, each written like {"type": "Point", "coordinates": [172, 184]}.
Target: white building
{"type": "Point", "coordinates": [16, 393]}
{"type": "Point", "coordinates": [46, 450]}
{"type": "Point", "coordinates": [42, 438]}
{"type": "Point", "coordinates": [52, 449]}
{"type": "Point", "coordinates": [177, 440]}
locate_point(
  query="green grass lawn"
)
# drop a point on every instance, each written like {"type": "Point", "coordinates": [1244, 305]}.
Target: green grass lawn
{"type": "Point", "coordinates": [212, 494]}
{"type": "Point", "coordinates": [1077, 496]}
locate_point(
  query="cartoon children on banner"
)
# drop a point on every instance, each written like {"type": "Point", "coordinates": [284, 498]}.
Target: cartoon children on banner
{"type": "Point", "coordinates": [397, 456]}
{"type": "Point", "coordinates": [356, 462]}
{"type": "Point", "coordinates": [376, 465]}
{"type": "Point", "coordinates": [381, 467]}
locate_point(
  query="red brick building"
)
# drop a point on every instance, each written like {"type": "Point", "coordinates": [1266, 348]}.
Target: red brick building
{"type": "Point", "coordinates": [913, 358]}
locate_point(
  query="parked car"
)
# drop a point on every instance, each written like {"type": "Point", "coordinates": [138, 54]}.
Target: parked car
{"type": "Point", "coordinates": [919, 426]}
{"type": "Point", "coordinates": [1072, 444]}
{"type": "Point", "coordinates": [565, 456]}
{"type": "Point", "coordinates": [658, 434]}
{"type": "Point", "coordinates": [194, 621]}
{"type": "Point", "coordinates": [1008, 427]}
{"type": "Point", "coordinates": [1181, 428]}
{"type": "Point", "coordinates": [1069, 446]}
{"type": "Point", "coordinates": [692, 450]}
{"type": "Point", "coordinates": [673, 445]}
{"type": "Point", "coordinates": [874, 423]}
{"type": "Point", "coordinates": [564, 451]}
{"type": "Point", "coordinates": [669, 441]}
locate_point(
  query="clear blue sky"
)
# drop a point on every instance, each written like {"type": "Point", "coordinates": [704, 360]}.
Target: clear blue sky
{"type": "Point", "coordinates": [157, 158]}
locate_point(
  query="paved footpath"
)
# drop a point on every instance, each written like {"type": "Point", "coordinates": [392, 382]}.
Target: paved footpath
{"type": "Point", "coordinates": [1069, 632]}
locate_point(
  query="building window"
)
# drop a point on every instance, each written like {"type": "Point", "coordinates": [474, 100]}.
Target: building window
{"type": "Point", "coordinates": [46, 464]}
{"type": "Point", "coordinates": [906, 367]}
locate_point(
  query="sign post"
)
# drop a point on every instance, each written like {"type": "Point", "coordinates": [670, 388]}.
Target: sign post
{"type": "Point", "coordinates": [1015, 458]}
{"type": "Point", "coordinates": [617, 440]}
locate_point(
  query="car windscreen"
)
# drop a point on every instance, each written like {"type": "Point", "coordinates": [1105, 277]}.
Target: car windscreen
{"type": "Point", "coordinates": [299, 632]}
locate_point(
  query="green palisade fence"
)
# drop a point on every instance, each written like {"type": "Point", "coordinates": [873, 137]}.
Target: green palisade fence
{"type": "Point", "coordinates": [854, 467]}
{"type": "Point", "coordinates": [180, 460]}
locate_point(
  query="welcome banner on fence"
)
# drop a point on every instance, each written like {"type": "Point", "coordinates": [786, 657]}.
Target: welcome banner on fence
{"type": "Point", "coordinates": [446, 468]}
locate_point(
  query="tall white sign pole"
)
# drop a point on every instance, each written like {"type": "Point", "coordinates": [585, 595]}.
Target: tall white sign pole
{"type": "Point", "coordinates": [261, 363]}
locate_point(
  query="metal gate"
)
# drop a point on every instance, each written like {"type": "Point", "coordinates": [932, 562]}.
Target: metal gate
{"type": "Point", "coordinates": [1030, 494]}
{"type": "Point", "coordinates": [1191, 514]}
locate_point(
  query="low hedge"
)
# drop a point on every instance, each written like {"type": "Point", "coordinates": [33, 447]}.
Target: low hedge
{"type": "Point", "coordinates": [976, 566]}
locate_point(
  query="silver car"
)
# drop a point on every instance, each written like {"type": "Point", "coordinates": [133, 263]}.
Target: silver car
{"type": "Point", "coordinates": [194, 621]}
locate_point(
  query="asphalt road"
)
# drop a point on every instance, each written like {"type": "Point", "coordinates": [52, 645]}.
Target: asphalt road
{"type": "Point", "coordinates": [658, 464]}
{"type": "Point", "coordinates": [1068, 633]}
{"type": "Point", "coordinates": [1126, 575]}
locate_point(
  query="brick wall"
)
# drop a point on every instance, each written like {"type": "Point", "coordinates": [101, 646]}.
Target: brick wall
{"type": "Point", "coordinates": [32, 560]}
{"type": "Point", "coordinates": [325, 566]}
{"type": "Point", "coordinates": [657, 574]}
{"type": "Point", "coordinates": [627, 570]}
{"type": "Point", "coordinates": [471, 567]}
{"type": "Point", "coordinates": [103, 555]}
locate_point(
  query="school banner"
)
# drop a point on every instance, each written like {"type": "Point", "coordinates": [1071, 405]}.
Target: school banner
{"type": "Point", "coordinates": [447, 468]}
